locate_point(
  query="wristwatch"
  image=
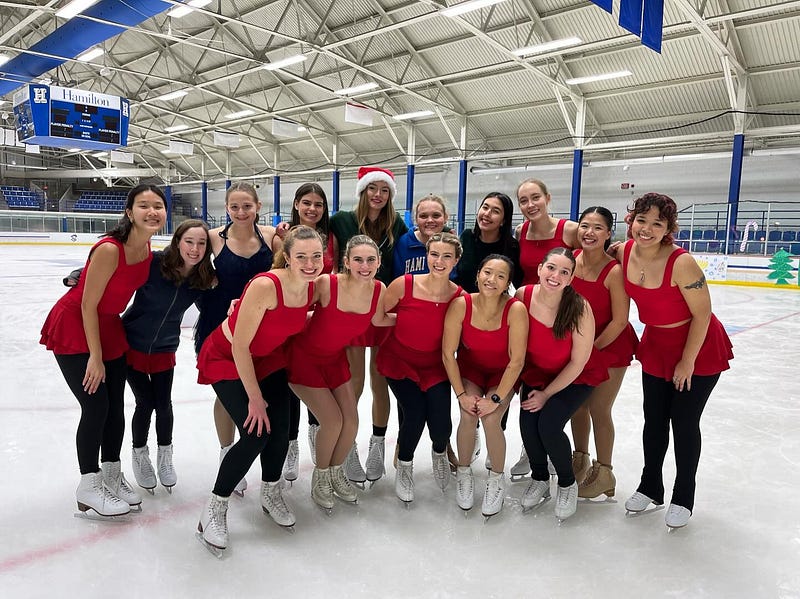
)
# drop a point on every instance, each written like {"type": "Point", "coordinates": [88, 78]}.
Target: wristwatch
{"type": "Point", "coordinates": [496, 398]}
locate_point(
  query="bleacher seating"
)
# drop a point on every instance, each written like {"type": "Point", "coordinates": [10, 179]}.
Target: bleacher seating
{"type": "Point", "coordinates": [21, 197]}
{"type": "Point", "coordinates": [101, 201]}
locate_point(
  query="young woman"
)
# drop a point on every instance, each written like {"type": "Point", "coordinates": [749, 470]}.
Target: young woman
{"type": "Point", "coordinates": [309, 208]}
{"type": "Point", "coordinates": [411, 360]}
{"type": "Point", "coordinates": [178, 277]}
{"type": "Point", "coordinates": [598, 279]}
{"type": "Point", "coordinates": [430, 216]}
{"type": "Point", "coordinates": [346, 304]}
{"type": "Point", "coordinates": [376, 218]}
{"type": "Point", "coordinates": [85, 333]}
{"type": "Point", "coordinates": [241, 249]}
{"type": "Point", "coordinates": [244, 359]}
{"type": "Point", "coordinates": [557, 377]}
{"type": "Point", "coordinates": [489, 330]}
{"type": "Point", "coordinates": [684, 349]}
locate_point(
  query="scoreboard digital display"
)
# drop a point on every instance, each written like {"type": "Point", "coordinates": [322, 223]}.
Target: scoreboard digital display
{"type": "Point", "coordinates": [71, 118]}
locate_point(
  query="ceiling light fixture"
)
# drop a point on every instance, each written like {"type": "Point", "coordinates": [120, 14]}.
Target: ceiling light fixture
{"type": "Point", "coordinates": [285, 62]}
{"type": "Point", "coordinates": [90, 54]}
{"type": "Point", "coordinates": [547, 46]}
{"type": "Point", "coordinates": [412, 115]}
{"type": "Point", "coordinates": [600, 77]}
{"type": "Point", "coordinates": [239, 114]}
{"type": "Point", "coordinates": [465, 7]}
{"type": "Point", "coordinates": [4, 58]}
{"type": "Point", "coordinates": [74, 7]}
{"type": "Point", "coordinates": [100, 154]}
{"type": "Point", "coordinates": [356, 89]}
{"type": "Point", "coordinates": [182, 11]}
{"type": "Point", "coordinates": [175, 128]}
{"type": "Point", "coordinates": [173, 95]}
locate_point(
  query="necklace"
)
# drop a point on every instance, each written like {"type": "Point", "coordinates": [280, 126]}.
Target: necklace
{"type": "Point", "coordinates": [644, 266]}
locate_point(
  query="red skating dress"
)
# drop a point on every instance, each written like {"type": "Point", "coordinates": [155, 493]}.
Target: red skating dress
{"type": "Point", "coordinates": [661, 348]}
{"type": "Point", "coordinates": [414, 347]}
{"type": "Point", "coordinates": [620, 351]}
{"type": "Point", "coordinates": [483, 355]}
{"type": "Point", "coordinates": [533, 251]}
{"type": "Point", "coordinates": [317, 356]}
{"type": "Point", "coordinates": [63, 333]}
{"type": "Point", "coordinates": [215, 361]}
{"type": "Point", "coordinates": [547, 356]}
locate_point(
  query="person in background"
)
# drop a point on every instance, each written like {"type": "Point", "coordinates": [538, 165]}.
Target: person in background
{"type": "Point", "coordinates": [430, 216]}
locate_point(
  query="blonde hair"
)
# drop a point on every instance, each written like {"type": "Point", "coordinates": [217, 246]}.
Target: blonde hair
{"type": "Point", "coordinates": [357, 240]}
{"type": "Point", "coordinates": [298, 233]}
{"type": "Point", "coordinates": [430, 198]}
{"type": "Point", "coordinates": [445, 238]}
{"type": "Point", "coordinates": [383, 225]}
{"type": "Point", "coordinates": [243, 187]}
{"type": "Point", "coordinates": [538, 182]}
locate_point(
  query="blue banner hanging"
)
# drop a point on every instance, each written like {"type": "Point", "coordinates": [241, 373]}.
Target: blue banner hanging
{"type": "Point", "coordinates": [604, 4]}
{"type": "Point", "coordinates": [652, 24]}
{"type": "Point", "coordinates": [630, 15]}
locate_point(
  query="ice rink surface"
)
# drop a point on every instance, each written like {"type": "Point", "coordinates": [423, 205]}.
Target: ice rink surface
{"type": "Point", "coordinates": [742, 541]}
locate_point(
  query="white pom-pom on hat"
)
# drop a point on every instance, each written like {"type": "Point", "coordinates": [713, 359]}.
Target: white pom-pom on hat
{"type": "Point", "coordinates": [372, 174]}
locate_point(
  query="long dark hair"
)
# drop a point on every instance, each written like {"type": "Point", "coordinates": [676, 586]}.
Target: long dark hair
{"type": "Point", "coordinates": [572, 304]}
{"type": "Point", "coordinates": [323, 226]}
{"type": "Point", "coordinates": [607, 216]}
{"type": "Point", "coordinates": [508, 261]}
{"type": "Point", "coordinates": [201, 275]}
{"type": "Point", "coordinates": [123, 228]}
{"type": "Point", "coordinates": [667, 210]}
{"type": "Point", "coordinates": [506, 230]}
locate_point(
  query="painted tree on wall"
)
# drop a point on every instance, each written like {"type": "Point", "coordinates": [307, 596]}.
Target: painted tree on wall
{"type": "Point", "coordinates": [781, 264]}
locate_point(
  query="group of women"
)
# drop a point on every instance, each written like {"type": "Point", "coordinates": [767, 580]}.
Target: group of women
{"type": "Point", "coordinates": [439, 316]}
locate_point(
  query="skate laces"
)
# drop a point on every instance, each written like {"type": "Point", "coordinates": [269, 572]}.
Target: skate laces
{"type": "Point", "coordinates": [406, 476]}
{"type": "Point", "coordinates": [563, 496]}
{"type": "Point", "coordinates": [339, 479]}
{"type": "Point", "coordinates": [219, 516]}
{"type": "Point", "coordinates": [441, 468]}
{"type": "Point", "coordinates": [165, 463]}
{"type": "Point", "coordinates": [274, 497]}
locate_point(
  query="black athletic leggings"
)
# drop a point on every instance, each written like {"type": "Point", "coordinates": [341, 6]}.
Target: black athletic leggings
{"type": "Point", "coordinates": [543, 432]}
{"type": "Point", "coordinates": [152, 392]}
{"type": "Point", "coordinates": [431, 407]}
{"type": "Point", "coordinates": [294, 416]}
{"type": "Point", "coordinates": [663, 405]}
{"type": "Point", "coordinates": [271, 447]}
{"type": "Point", "coordinates": [102, 423]}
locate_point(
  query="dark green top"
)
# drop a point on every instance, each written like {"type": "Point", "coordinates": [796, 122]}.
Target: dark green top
{"type": "Point", "coordinates": [473, 253]}
{"type": "Point", "coordinates": [344, 226]}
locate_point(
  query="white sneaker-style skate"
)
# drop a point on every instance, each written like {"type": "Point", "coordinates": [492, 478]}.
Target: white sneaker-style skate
{"type": "Point", "coordinates": [115, 480]}
{"type": "Point", "coordinates": [312, 441]}
{"type": "Point", "coordinates": [522, 468]}
{"type": "Point", "coordinates": [535, 495]}
{"type": "Point", "coordinates": [566, 501]}
{"type": "Point", "coordinates": [341, 486]}
{"type": "Point", "coordinates": [495, 495]}
{"type": "Point", "coordinates": [638, 502]}
{"type": "Point", "coordinates": [322, 489]}
{"type": "Point", "coordinates": [143, 469]}
{"type": "Point", "coordinates": [677, 516]}
{"type": "Point", "coordinates": [376, 458]}
{"type": "Point", "coordinates": [96, 501]}
{"type": "Point", "coordinates": [241, 486]}
{"type": "Point", "coordinates": [476, 449]}
{"type": "Point", "coordinates": [291, 465]}
{"type": "Point", "coordinates": [275, 506]}
{"type": "Point", "coordinates": [465, 488]}
{"type": "Point", "coordinates": [404, 481]}
{"type": "Point", "coordinates": [166, 471]}
{"type": "Point", "coordinates": [212, 529]}
{"type": "Point", "coordinates": [353, 469]}
{"type": "Point", "coordinates": [441, 469]}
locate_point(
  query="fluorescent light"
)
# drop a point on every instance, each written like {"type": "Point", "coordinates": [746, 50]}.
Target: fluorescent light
{"type": "Point", "coordinates": [285, 62]}
{"type": "Point", "coordinates": [172, 95]}
{"type": "Point", "coordinates": [74, 7]}
{"type": "Point", "coordinates": [412, 115]}
{"type": "Point", "coordinates": [168, 151]}
{"type": "Point", "coordinates": [356, 89]}
{"type": "Point", "coordinates": [4, 58]}
{"type": "Point", "coordinates": [239, 114]}
{"type": "Point", "coordinates": [90, 54]}
{"type": "Point", "coordinates": [547, 46]}
{"type": "Point", "coordinates": [73, 150]}
{"type": "Point", "coordinates": [100, 155]}
{"type": "Point", "coordinates": [301, 128]}
{"type": "Point", "coordinates": [182, 11]}
{"type": "Point", "coordinates": [175, 128]}
{"type": "Point", "coordinates": [600, 77]}
{"type": "Point", "coordinates": [45, 81]}
{"type": "Point", "coordinates": [465, 7]}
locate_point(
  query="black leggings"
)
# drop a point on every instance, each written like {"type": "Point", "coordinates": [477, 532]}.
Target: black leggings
{"type": "Point", "coordinates": [102, 423]}
{"type": "Point", "coordinates": [543, 432]}
{"type": "Point", "coordinates": [152, 392]}
{"type": "Point", "coordinates": [431, 407]}
{"type": "Point", "coordinates": [664, 405]}
{"type": "Point", "coordinates": [271, 447]}
{"type": "Point", "coordinates": [294, 416]}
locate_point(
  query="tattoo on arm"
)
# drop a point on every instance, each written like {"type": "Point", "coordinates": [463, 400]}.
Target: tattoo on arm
{"type": "Point", "coordinates": [698, 284]}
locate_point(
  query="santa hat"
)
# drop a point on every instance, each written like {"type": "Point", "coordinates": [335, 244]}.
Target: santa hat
{"type": "Point", "coordinates": [372, 174]}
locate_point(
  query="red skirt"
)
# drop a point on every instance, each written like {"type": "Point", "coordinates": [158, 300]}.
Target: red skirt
{"type": "Point", "coordinates": [373, 337]}
{"type": "Point", "coordinates": [215, 362]}
{"type": "Point", "coordinates": [483, 377]}
{"type": "Point", "coordinates": [63, 334]}
{"type": "Point", "coordinates": [620, 352]}
{"type": "Point", "coordinates": [150, 363]}
{"type": "Point", "coordinates": [396, 361]}
{"type": "Point", "coordinates": [321, 372]}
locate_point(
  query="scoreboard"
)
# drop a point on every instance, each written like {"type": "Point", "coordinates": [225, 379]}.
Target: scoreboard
{"type": "Point", "coordinates": [71, 118]}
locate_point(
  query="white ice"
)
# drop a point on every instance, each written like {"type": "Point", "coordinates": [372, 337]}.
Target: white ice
{"type": "Point", "coordinates": [742, 541]}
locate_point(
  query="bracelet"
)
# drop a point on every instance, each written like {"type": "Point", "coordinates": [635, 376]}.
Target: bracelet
{"type": "Point", "coordinates": [460, 394]}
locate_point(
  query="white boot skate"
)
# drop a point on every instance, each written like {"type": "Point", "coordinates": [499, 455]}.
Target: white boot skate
{"type": "Point", "coordinates": [441, 469]}
{"type": "Point", "coordinates": [322, 489]}
{"type": "Point", "coordinates": [522, 468]}
{"type": "Point", "coordinates": [465, 488]}
{"type": "Point", "coordinates": [495, 495]}
{"type": "Point", "coordinates": [537, 493]}
{"type": "Point", "coordinates": [166, 471]}
{"type": "Point", "coordinates": [275, 506]}
{"type": "Point", "coordinates": [96, 501]}
{"type": "Point", "coordinates": [404, 481]}
{"type": "Point", "coordinates": [566, 501]}
{"type": "Point", "coordinates": [241, 486]}
{"type": "Point", "coordinates": [143, 469]}
{"type": "Point", "coordinates": [638, 502]}
{"type": "Point", "coordinates": [115, 480]}
{"type": "Point", "coordinates": [677, 516]}
{"type": "Point", "coordinates": [353, 469]}
{"type": "Point", "coordinates": [212, 529]}
{"type": "Point", "coordinates": [312, 441]}
{"type": "Point", "coordinates": [376, 458]}
{"type": "Point", "coordinates": [291, 466]}
{"type": "Point", "coordinates": [341, 486]}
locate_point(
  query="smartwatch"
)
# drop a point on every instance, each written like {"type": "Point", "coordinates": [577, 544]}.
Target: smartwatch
{"type": "Point", "coordinates": [496, 398]}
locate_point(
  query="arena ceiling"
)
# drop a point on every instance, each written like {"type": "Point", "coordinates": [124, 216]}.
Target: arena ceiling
{"type": "Point", "coordinates": [726, 67]}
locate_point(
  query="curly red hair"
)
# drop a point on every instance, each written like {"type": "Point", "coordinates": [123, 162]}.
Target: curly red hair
{"type": "Point", "coordinates": [667, 210]}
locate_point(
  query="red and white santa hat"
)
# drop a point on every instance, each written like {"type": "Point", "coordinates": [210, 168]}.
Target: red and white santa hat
{"type": "Point", "coordinates": [372, 174]}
